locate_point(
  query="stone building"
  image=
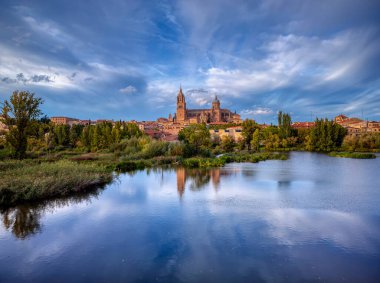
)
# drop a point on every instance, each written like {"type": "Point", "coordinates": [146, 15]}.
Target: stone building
{"type": "Point", "coordinates": [64, 120]}
{"type": "Point", "coordinates": [356, 126]}
{"type": "Point", "coordinates": [216, 114]}
{"type": "Point", "coordinates": [233, 132]}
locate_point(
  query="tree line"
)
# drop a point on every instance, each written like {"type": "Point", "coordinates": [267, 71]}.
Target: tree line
{"type": "Point", "coordinates": [27, 131]}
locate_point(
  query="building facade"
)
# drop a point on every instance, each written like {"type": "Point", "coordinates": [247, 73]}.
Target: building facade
{"type": "Point", "coordinates": [216, 114]}
{"type": "Point", "coordinates": [233, 132]}
{"type": "Point", "coordinates": [356, 126]}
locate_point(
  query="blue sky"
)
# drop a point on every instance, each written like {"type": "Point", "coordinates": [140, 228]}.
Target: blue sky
{"type": "Point", "coordinates": [126, 59]}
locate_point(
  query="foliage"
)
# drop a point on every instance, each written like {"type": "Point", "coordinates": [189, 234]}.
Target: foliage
{"type": "Point", "coordinates": [357, 155]}
{"type": "Point", "coordinates": [228, 158]}
{"type": "Point", "coordinates": [255, 142]}
{"type": "Point", "coordinates": [196, 137]}
{"type": "Point", "coordinates": [364, 142]}
{"type": "Point", "coordinates": [155, 148]}
{"type": "Point", "coordinates": [228, 144]}
{"type": "Point", "coordinates": [284, 125]}
{"type": "Point", "coordinates": [203, 162]}
{"type": "Point", "coordinates": [325, 136]}
{"type": "Point", "coordinates": [249, 127]}
{"type": "Point", "coordinates": [222, 126]}
{"type": "Point", "coordinates": [19, 113]}
{"type": "Point", "coordinates": [25, 181]}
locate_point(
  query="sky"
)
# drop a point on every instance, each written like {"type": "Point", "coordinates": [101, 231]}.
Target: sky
{"type": "Point", "coordinates": [127, 59]}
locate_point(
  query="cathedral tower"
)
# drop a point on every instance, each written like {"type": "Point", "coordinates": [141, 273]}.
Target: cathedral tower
{"type": "Point", "coordinates": [216, 113]}
{"type": "Point", "coordinates": [181, 106]}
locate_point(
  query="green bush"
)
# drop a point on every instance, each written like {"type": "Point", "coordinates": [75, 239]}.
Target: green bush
{"type": "Point", "coordinates": [356, 155]}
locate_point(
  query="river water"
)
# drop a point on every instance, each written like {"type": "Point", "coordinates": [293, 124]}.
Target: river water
{"type": "Point", "coordinates": [310, 218]}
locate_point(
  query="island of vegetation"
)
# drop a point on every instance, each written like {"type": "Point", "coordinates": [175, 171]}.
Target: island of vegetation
{"type": "Point", "coordinates": [40, 160]}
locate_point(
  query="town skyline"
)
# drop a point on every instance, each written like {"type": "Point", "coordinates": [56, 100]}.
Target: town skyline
{"type": "Point", "coordinates": [298, 57]}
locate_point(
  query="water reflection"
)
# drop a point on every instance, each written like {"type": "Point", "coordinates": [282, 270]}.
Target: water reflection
{"type": "Point", "coordinates": [22, 221]}
{"type": "Point", "coordinates": [273, 221]}
{"type": "Point", "coordinates": [198, 179]}
{"type": "Point", "coordinates": [25, 220]}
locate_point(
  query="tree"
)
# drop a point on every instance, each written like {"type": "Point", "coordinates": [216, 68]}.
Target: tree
{"type": "Point", "coordinates": [75, 133]}
{"type": "Point", "coordinates": [249, 127]}
{"type": "Point", "coordinates": [62, 133]}
{"type": "Point", "coordinates": [228, 143]}
{"type": "Point", "coordinates": [284, 125]}
{"type": "Point", "coordinates": [255, 142]}
{"type": "Point", "coordinates": [196, 136]}
{"type": "Point", "coordinates": [325, 136]}
{"type": "Point", "coordinates": [19, 114]}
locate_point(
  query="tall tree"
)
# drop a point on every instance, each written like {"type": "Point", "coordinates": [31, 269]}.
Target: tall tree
{"type": "Point", "coordinates": [255, 142]}
{"type": "Point", "coordinates": [325, 136]}
{"type": "Point", "coordinates": [18, 114]}
{"type": "Point", "coordinates": [284, 125]}
{"type": "Point", "coordinates": [249, 127]}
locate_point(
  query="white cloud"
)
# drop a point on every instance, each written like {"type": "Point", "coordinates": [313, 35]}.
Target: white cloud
{"type": "Point", "coordinates": [300, 62]}
{"type": "Point", "coordinates": [128, 90]}
{"type": "Point", "coordinates": [256, 111]}
{"type": "Point", "coordinates": [201, 101]}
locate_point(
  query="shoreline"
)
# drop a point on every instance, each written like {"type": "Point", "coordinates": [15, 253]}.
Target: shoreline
{"type": "Point", "coordinates": [39, 179]}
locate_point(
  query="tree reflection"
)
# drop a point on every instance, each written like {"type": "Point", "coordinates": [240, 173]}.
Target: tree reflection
{"type": "Point", "coordinates": [25, 220]}
{"type": "Point", "coordinates": [22, 221]}
{"type": "Point", "coordinates": [198, 179]}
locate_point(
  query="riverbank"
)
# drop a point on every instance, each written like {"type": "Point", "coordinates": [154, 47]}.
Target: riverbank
{"type": "Point", "coordinates": [356, 155]}
{"type": "Point", "coordinates": [29, 180]}
{"type": "Point", "coordinates": [57, 176]}
{"type": "Point", "coordinates": [68, 173]}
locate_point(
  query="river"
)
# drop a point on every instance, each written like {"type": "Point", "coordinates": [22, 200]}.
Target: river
{"type": "Point", "coordinates": [309, 218]}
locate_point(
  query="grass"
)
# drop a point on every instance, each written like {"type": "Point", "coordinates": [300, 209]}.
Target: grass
{"type": "Point", "coordinates": [61, 175]}
{"type": "Point", "coordinates": [29, 180]}
{"type": "Point", "coordinates": [199, 162]}
{"type": "Point", "coordinates": [357, 155]}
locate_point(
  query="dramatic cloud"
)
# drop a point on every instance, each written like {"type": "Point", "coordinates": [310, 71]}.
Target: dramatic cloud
{"type": "Point", "coordinates": [302, 62]}
{"type": "Point", "coordinates": [40, 78]}
{"type": "Point", "coordinates": [21, 78]}
{"type": "Point", "coordinates": [319, 57]}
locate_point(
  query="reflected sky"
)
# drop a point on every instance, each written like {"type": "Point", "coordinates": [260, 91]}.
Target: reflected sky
{"type": "Point", "coordinates": [272, 221]}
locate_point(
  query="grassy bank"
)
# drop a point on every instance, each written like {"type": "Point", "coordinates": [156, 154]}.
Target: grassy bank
{"type": "Point", "coordinates": [57, 176]}
{"type": "Point", "coordinates": [198, 162]}
{"type": "Point", "coordinates": [357, 155]}
{"type": "Point", "coordinates": [29, 180]}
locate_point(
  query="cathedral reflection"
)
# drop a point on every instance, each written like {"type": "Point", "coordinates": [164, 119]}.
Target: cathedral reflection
{"type": "Point", "coordinates": [197, 179]}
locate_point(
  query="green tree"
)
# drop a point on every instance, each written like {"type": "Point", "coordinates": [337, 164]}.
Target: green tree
{"type": "Point", "coordinates": [62, 133]}
{"type": "Point", "coordinates": [325, 136]}
{"type": "Point", "coordinates": [228, 143]}
{"type": "Point", "coordinates": [19, 114]}
{"type": "Point", "coordinates": [255, 142]}
{"type": "Point", "coordinates": [249, 127]}
{"type": "Point", "coordinates": [85, 137]}
{"type": "Point", "coordinates": [284, 125]}
{"type": "Point", "coordinates": [197, 137]}
{"type": "Point", "coordinates": [75, 133]}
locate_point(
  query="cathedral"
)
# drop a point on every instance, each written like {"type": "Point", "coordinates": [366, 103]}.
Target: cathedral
{"type": "Point", "coordinates": [196, 116]}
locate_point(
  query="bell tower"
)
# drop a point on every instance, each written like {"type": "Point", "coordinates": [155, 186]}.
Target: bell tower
{"type": "Point", "coordinates": [181, 107]}
{"type": "Point", "coordinates": [216, 113]}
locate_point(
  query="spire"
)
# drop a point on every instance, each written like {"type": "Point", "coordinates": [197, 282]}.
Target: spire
{"type": "Point", "coordinates": [180, 91]}
{"type": "Point", "coordinates": [180, 96]}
